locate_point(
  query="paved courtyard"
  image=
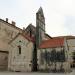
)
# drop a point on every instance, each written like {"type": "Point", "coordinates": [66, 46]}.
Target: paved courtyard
{"type": "Point", "coordinates": [23, 73]}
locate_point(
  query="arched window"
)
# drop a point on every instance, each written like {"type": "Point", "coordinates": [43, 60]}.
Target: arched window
{"type": "Point", "coordinates": [19, 49]}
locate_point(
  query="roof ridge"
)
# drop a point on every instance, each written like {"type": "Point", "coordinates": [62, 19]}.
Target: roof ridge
{"type": "Point", "coordinates": [10, 24]}
{"type": "Point", "coordinates": [25, 36]}
{"type": "Point", "coordinates": [52, 43]}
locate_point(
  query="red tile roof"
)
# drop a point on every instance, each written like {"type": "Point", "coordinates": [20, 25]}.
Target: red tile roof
{"type": "Point", "coordinates": [57, 42]}
{"type": "Point", "coordinates": [25, 36]}
{"type": "Point", "coordinates": [67, 37]}
{"type": "Point", "coordinates": [28, 37]}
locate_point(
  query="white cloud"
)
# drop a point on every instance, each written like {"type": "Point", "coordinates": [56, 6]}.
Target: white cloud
{"type": "Point", "coordinates": [55, 11]}
{"type": "Point", "coordinates": [24, 12]}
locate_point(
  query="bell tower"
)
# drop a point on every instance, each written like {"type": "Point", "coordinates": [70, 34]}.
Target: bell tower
{"type": "Point", "coordinates": [40, 26]}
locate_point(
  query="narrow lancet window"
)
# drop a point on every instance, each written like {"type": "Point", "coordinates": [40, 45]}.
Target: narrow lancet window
{"type": "Point", "coordinates": [19, 49]}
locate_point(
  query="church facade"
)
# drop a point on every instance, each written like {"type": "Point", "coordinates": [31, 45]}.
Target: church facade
{"type": "Point", "coordinates": [57, 54]}
{"type": "Point", "coordinates": [7, 32]}
{"type": "Point", "coordinates": [32, 49]}
{"type": "Point", "coordinates": [20, 53]}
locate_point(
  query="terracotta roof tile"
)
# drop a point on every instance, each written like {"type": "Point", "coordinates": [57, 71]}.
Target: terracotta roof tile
{"type": "Point", "coordinates": [28, 37]}
{"type": "Point", "coordinates": [67, 37]}
{"type": "Point", "coordinates": [57, 42]}
{"type": "Point", "coordinates": [25, 36]}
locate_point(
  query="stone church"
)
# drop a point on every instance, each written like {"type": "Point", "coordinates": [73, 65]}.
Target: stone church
{"type": "Point", "coordinates": [32, 49]}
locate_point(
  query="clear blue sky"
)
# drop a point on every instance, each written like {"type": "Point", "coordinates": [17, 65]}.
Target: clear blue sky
{"type": "Point", "coordinates": [59, 14]}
